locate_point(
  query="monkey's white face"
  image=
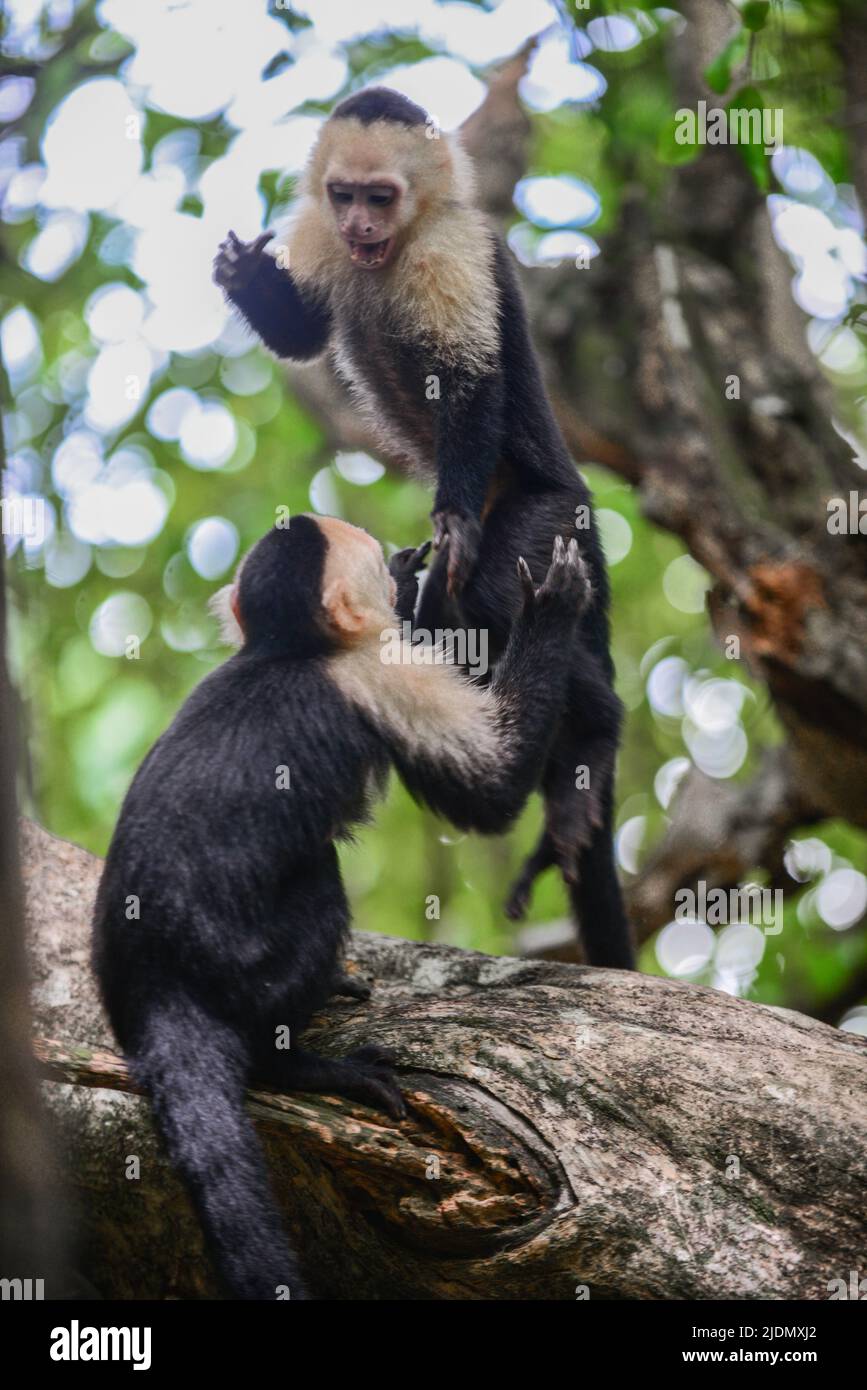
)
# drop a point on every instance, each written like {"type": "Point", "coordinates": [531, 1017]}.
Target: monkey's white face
{"type": "Point", "coordinates": [368, 216]}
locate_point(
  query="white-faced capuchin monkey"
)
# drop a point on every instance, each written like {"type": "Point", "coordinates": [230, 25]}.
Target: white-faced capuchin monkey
{"type": "Point", "coordinates": [390, 267]}
{"type": "Point", "coordinates": [226, 845]}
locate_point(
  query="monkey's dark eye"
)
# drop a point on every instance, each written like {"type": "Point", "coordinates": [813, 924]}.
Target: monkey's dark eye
{"type": "Point", "coordinates": [381, 199]}
{"type": "Point", "coordinates": [340, 195]}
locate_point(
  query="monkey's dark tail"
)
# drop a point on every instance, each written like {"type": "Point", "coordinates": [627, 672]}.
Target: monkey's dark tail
{"type": "Point", "coordinates": [597, 902]}
{"type": "Point", "coordinates": [194, 1070]}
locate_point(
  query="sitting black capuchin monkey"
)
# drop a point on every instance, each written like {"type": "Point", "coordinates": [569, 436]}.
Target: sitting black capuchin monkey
{"type": "Point", "coordinates": [221, 915]}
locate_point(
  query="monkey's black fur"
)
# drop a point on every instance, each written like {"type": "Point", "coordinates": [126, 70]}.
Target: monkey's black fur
{"type": "Point", "coordinates": [221, 915]}
{"type": "Point", "coordinates": [506, 482]}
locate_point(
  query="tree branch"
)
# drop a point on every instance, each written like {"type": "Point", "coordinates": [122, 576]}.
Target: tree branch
{"type": "Point", "coordinates": [566, 1126]}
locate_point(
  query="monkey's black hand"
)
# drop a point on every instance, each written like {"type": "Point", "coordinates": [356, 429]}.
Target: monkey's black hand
{"type": "Point", "coordinates": [404, 568]}
{"type": "Point", "coordinates": [566, 585]}
{"type": "Point", "coordinates": [462, 534]}
{"type": "Point", "coordinates": [406, 564]}
{"type": "Point", "coordinates": [237, 261]}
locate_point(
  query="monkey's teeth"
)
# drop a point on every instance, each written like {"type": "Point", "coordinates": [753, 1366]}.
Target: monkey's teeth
{"type": "Point", "coordinates": [369, 253]}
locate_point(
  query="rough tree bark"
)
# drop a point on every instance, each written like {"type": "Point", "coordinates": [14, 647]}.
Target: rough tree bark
{"type": "Point", "coordinates": [567, 1126]}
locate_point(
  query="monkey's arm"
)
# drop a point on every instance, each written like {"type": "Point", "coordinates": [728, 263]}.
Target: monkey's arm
{"type": "Point", "coordinates": [478, 766]}
{"type": "Point", "coordinates": [469, 441]}
{"type": "Point", "coordinates": [288, 323]}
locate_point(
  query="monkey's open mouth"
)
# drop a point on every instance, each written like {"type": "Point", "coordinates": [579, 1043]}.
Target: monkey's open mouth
{"type": "Point", "coordinates": [370, 254]}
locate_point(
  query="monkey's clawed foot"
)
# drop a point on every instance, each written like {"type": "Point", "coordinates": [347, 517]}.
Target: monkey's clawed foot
{"type": "Point", "coordinates": [366, 1075]}
{"type": "Point", "coordinates": [237, 261]}
{"type": "Point", "coordinates": [372, 1080]}
{"type": "Point", "coordinates": [461, 533]}
{"type": "Point", "coordinates": [350, 986]}
{"type": "Point", "coordinates": [571, 825]}
{"type": "Point", "coordinates": [567, 580]}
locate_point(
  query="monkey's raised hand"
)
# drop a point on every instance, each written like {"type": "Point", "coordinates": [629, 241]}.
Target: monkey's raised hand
{"type": "Point", "coordinates": [462, 534]}
{"type": "Point", "coordinates": [237, 261]}
{"type": "Point", "coordinates": [406, 563]}
{"type": "Point", "coordinates": [567, 582]}
{"type": "Point", "coordinates": [404, 568]}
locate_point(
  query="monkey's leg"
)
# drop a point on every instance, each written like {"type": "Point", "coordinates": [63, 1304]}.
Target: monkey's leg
{"type": "Point", "coordinates": [492, 597]}
{"type": "Point", "coordinates": [577, 785]}
{"type": "Point", "coordinates": [366, 1075]}
{"type": "Point", "coordinates": [579, 799]}
{"type": "Point", "coordinates": [572, 811]}
{"type": "Point", "coordinates": [579, 840]}
{"type": "Point", "coordinates": [577, 782]}
{"type": "Point", "coordinates": [436, 609]}
{"type": "Point", "coordinates": [598, 903]}
{"type": "Point", "coordinates": [518, 526]}
{"type": "Point", "coordinates": [542, 858]}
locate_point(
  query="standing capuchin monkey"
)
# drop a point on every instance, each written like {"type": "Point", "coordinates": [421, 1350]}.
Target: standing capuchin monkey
{"type": "Point", "coordinates": [390, 267]}
{"type": "Point", "coordinates": [221, 917]}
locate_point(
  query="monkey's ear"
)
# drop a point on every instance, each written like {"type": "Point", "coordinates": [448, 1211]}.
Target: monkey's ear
{"type": "Point", "coordinates": [343, 612]}
{"type": "Point", "coordinates": [224, 606]}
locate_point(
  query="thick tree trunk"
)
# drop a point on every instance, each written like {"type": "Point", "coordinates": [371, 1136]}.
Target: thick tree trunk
{"type": "Point", "coordinates": [567, 1127]}
{"type": "Point", "coordinates": [31, 1215]}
